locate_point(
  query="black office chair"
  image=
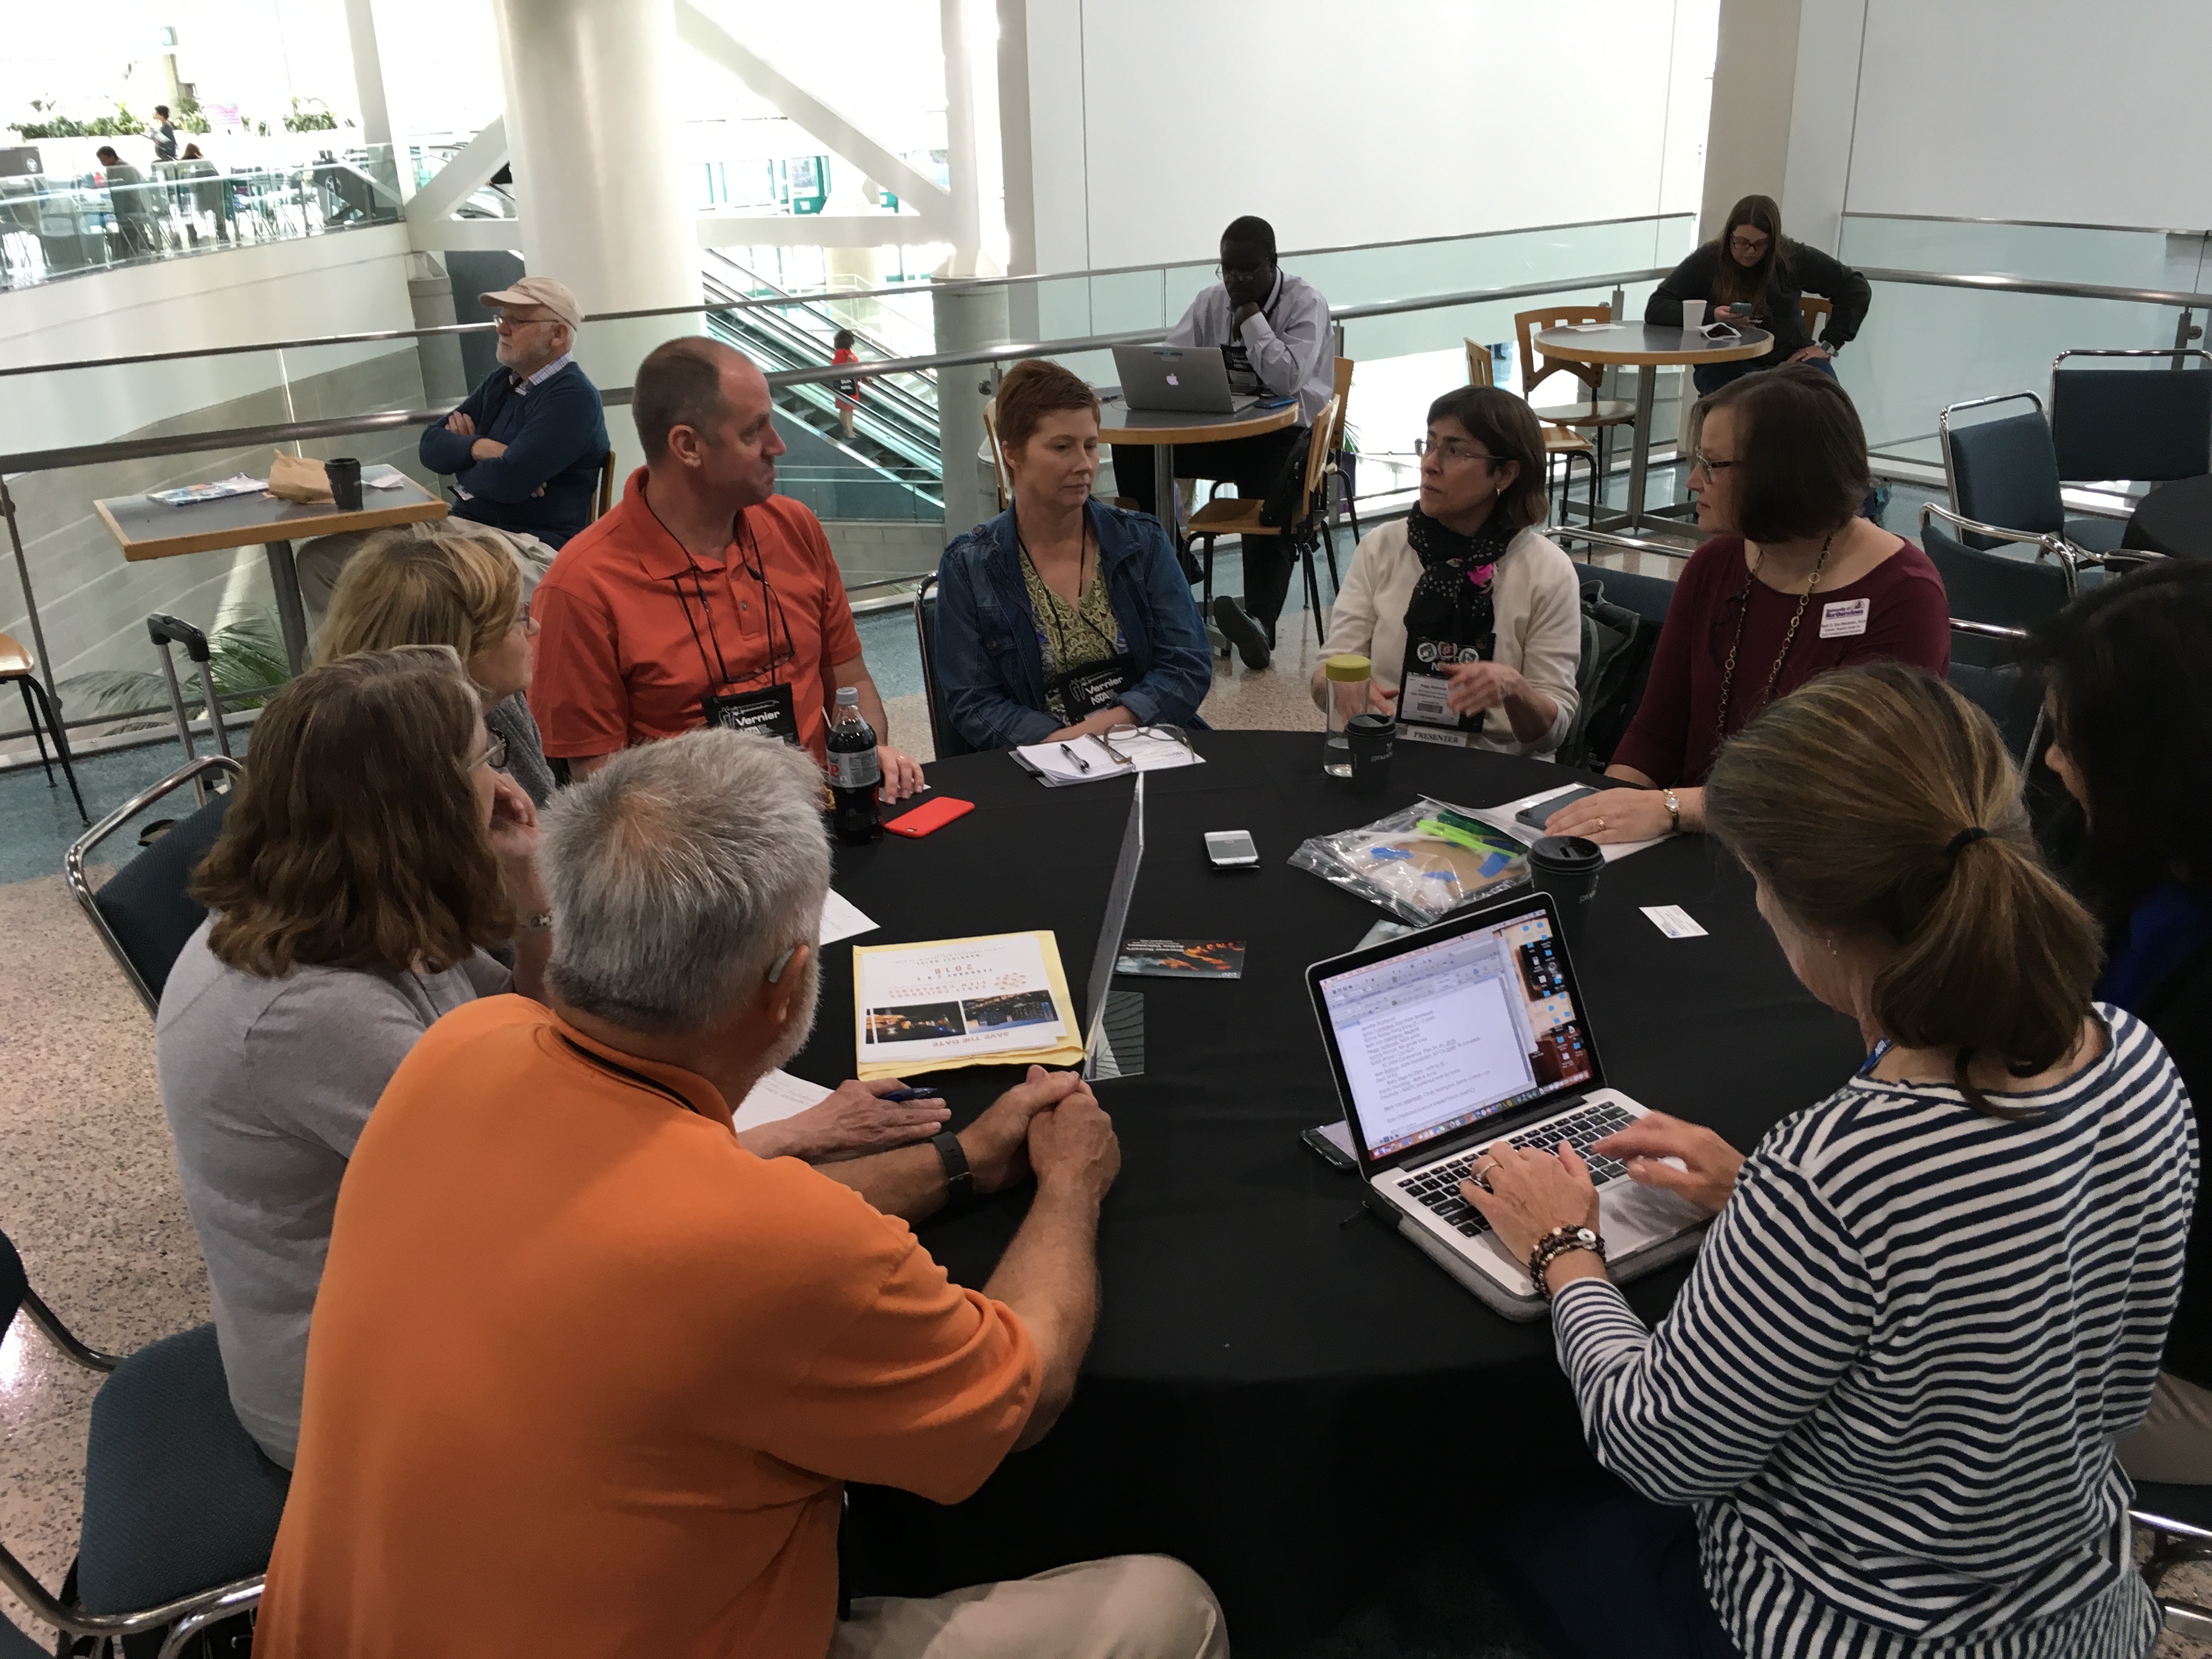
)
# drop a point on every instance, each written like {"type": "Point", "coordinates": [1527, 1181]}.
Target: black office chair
{"type": "Point", "coordinates": [142, 913]}
{"type": "Point", "coordinates": [1982, 670]}
{"type": "Point", "coordinates": [1997, 587]}
{"type": "Point", "coordinates": [2177, 1520]}
{"type": "Point", "coordinates": [2146, 424]}
{"type": "Point", "coordinates": [180, 1507]}
{"type": "Point", "coordinates": [945, 736]}
{"type": "Point", "coordinates": [1607, 709]}
{"type": "Point", "coordinates": [2005, 473]}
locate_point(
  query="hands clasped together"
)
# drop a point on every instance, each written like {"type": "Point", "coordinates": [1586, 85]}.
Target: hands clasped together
{"type": "Point", "coordinates": [1530, 1194]}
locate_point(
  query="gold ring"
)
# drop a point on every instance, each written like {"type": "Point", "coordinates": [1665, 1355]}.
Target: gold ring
{"type": "Point", "coordinates": [1601, 824]}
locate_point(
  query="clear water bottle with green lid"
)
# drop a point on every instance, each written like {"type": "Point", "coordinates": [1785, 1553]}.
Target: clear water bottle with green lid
{"type": "Point", "coordinates": [1347, 677]}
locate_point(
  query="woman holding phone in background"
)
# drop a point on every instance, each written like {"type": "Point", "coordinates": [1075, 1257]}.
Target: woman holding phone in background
{"type": "Point", "coordinates": [1752, 269]}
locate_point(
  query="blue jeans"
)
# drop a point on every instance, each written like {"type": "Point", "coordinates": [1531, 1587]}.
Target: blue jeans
{"type": "Point", "coordinates": [1712, 377]}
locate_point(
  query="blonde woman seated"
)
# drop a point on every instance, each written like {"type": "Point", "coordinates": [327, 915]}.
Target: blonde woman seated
{"type": "Point", "coordinates": [450, 584]}
{"type": "Point", "coordinates": [1471, 616]}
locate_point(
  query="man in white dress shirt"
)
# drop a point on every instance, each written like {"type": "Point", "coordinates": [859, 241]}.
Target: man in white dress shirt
{"type": "Point", "coordinates": [1274, 329]}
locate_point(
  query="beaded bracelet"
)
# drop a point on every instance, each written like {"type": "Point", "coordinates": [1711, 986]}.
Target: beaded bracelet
{"type": "Point", "coordinates": [1556, 1243]}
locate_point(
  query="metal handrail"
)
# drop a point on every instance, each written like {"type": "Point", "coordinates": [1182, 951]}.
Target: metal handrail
{"type": "Point", "coordinates": [2156, 296]}
{"type": "Point", "coordinates": [240, 437]}
{"type": "Point", "coordinates": [954, 285]}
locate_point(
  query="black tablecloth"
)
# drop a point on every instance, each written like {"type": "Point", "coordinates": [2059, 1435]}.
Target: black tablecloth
{"type": "Point", "coordinates": [1288, 1402]}
{"type": "Point", "coordinates": [2175, 518]}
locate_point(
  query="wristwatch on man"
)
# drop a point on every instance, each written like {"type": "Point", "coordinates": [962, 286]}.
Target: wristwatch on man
{"type": "Point", "coordinates": [1674, 813]}
{"type": "Point", "coordinates": [959, 1179]}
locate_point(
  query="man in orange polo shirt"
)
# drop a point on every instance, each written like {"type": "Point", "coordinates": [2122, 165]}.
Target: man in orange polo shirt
{"type": "Point", "coordinates": [703, 596]}
{"type": "Point", "coordinates": [585, 1376]}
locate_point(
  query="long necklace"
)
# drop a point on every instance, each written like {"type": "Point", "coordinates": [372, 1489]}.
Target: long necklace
{"type": "Point", "coordinates": [1743, 615]}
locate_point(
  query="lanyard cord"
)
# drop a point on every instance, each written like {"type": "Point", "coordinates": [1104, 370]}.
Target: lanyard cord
{"type": "Point", "coordinates": [1058, 639]}
{"type": "Point", "coordinates": [771, 605]}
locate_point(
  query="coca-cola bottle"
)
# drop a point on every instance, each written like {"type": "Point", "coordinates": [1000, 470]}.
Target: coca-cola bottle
{"type": "Point", "coordinates": [855, 773]}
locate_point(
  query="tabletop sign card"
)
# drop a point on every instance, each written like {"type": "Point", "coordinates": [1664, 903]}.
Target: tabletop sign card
{"type": "Point", "coordinates": [1673, 921]}
{"type": "Point", "coordinates": [1181, 958]}
{"type": "Point", "coordinates": [998, 999]}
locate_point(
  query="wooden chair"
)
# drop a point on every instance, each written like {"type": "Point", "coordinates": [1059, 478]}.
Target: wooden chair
{"type": "Point", "coordinates": [606, 485]}
{"type": "Point", "coordinates": [1239, 516]}
{"type": "Point", "coordinates": [1559, 443]}
{"type": "Point", "coordinates": [18, 665]}
{"type": "Point", "coordinates": [1816, 312]}
{"type": "Point", "coordinates": [1336, 463]}
{"type": "Point", "coordinates": [998, 455]}
{"type": "Point", "coordinates": [1602, 414]}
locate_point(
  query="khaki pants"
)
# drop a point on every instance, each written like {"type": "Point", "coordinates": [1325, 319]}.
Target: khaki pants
{"type": "Point", "coordinates": [2174, 1444]}
{"type": "Point", "coordinates": [1131, 1607]}
{"type": "Point", "coordinates": [320, 562]}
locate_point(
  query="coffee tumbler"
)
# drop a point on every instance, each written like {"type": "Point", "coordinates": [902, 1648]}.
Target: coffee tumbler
{"type": "Point", "coordinates": [1567, 867]}
{"type": "Point", "coordinates": [343, 472]}
{"type": "Point", "coordinates": [1371, 737]}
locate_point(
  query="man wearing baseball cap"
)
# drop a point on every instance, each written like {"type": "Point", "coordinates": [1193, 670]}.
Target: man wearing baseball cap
{"type": "Point", "coordinates": [525, 448]}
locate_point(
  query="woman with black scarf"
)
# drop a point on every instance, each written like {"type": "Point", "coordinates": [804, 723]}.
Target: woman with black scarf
{"type": "Point", "coordinates": [1470, 615]}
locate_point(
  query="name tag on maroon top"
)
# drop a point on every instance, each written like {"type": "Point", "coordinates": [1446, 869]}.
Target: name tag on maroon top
{"type": "Point", "coordinates": [1841, 618]}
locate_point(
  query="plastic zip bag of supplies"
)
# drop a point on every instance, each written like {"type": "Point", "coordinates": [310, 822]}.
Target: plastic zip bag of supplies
{"type": "Point", "coordinates": [1420, 865]}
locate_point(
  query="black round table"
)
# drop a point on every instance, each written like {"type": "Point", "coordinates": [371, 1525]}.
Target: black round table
{"type": "Point", "coordinates": [2175, 519]}
{"type": "Point", "coordinates": [1281, 1393]}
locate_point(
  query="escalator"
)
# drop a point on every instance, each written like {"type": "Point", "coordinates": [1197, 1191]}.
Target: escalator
{"type": "Point", "coordinates": [893, 454]}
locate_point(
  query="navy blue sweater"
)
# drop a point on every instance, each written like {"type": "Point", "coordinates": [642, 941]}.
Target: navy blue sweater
{"type": "Point", "coordinates": [555, 435]}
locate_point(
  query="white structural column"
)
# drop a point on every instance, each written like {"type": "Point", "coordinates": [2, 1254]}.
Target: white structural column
{"type": "Point", "coordinates": [1785, 94]}
{"type": "Point", "coordinates": [591, 136]}
{"type": "Point", "coordinates": [367, 74]}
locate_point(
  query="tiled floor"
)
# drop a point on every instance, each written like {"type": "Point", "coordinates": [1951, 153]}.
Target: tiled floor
{"type": "Point", "coordinates": [88, 1191]}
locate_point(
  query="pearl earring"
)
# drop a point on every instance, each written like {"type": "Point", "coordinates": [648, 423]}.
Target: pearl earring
{"type": "Point", "coordinates": [1831, 947]}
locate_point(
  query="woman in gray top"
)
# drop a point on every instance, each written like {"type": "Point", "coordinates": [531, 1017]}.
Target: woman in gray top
{"type": "Point", "coordinates": [448, 584]}
{"type": "Point", "coordinates": [370, 854]}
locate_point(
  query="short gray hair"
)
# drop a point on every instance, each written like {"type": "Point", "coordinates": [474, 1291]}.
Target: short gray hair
{"type": "Point", "coordinates": [678, 873]}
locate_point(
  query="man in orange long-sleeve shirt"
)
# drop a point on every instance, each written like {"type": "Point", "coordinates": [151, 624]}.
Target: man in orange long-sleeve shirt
{"type": "Point", "coordinates": [585, 1376]}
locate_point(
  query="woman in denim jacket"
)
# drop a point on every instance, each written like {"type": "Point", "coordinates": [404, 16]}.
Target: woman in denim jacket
{"type": "Point", "coordinates": [1063, 617]}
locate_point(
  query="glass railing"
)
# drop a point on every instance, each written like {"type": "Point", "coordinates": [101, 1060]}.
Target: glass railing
{"type": "Point", "coordinates": [1925, 346]}
{"type": "Point", "coordinates": [52, 226]}
{"type": "Point", "coordinates": [72, 436]}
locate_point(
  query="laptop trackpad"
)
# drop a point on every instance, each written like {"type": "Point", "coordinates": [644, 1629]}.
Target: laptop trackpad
{"type": "Point", "coordinates": [1631, 1218]}
{"type": "Point", "coordinates": [1634, 1218]}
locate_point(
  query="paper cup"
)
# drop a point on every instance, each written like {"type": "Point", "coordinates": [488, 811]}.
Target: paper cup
{"type": "Point", "coordinates": [1693, 315]}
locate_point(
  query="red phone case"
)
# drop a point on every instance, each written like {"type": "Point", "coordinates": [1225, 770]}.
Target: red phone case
{"type": "Point", "coordinates": [934, 816]}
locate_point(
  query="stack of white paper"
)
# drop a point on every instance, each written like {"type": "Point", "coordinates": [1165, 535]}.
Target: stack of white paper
{"type": "Point", "coordinates": [1094, 760]}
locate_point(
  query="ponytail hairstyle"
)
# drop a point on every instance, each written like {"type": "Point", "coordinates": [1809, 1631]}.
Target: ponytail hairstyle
{"type": "Point", "coordinates": [1876, 801]}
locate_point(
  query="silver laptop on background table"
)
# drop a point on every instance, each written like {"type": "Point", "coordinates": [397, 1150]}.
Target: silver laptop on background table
{"type": "Point", "coordinates": [1186, 380]}
{"type": "Point", "coordinates": [1444, 1040]}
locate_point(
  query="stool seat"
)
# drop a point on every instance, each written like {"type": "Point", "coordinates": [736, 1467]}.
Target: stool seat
{"type": "Point", "coordinates": [16, 665]}
{"type": "Point", "coordinates": [1606, 411]}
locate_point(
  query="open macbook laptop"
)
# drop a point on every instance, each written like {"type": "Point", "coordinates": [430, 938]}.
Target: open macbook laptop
{"type": "Point", "coordinates": [1444, 1040]}
{"type": "Point", "coordinates": [1188, 380]}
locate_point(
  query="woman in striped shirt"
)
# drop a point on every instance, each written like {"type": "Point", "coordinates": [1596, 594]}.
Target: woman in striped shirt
{"type": "Point", "coordinates": [1933, 1302]}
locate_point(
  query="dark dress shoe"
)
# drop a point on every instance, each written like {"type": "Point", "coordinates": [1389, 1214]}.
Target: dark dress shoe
{"type": "Point", "coordinates": [1247, 636]}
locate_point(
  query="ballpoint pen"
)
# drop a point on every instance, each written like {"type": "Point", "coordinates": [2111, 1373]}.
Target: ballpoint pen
{"type": "Point", "coordinates": [1081, 765]}
{"type": "Point", "coordinates": [911, 1094]}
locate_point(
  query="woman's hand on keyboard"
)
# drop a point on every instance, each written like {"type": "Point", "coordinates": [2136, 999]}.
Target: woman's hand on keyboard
{"type": "Point", "coordinates": [1531, 1194]}
{"type": "Point", "coordinates": [1707, 1174]}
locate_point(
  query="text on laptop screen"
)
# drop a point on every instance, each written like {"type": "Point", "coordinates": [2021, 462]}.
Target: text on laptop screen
{"type": "Point", "coordinates": [1446, 1035]}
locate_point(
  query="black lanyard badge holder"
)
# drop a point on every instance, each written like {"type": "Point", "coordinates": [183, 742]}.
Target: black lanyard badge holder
{"type": "Point", "coordinates": [1084, 691]}
{"type": "Point", "coordinates": [769, 710]}
{"type": "Point", "coordinates": [1422, 713]}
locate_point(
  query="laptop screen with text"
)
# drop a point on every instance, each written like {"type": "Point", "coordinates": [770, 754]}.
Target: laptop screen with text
{"type": "Point", "coordinates": [1449, 1033]}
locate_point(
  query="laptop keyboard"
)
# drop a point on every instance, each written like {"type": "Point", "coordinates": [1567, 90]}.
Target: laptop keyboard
{"type": "Point", "coordinates": [1437, 1187]}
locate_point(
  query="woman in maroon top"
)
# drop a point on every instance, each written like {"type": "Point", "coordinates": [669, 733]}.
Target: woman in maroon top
{"type": "Point", "coordinates": [1793, 582]}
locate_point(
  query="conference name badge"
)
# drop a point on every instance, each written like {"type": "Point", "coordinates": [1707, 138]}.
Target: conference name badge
{"type": "Point", "coordinates": [1843, 617]}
